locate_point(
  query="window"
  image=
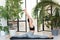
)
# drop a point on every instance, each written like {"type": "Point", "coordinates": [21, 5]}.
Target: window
{"type": "Point", "coordinates": [21, 24]}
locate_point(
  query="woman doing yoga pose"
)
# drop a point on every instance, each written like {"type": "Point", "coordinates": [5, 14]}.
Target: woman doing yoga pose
{"type": "Point", "coordinates": [30, 21]}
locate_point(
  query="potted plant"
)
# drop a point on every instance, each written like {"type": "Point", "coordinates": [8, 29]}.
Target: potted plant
{"type": "Point", "coordinates": [6, 29]}
{"type": "Point", "coordinates": [2, 33]}
{"type": "Point", "coordinates": [55, 22]}
{"type": "Point", "coordinates": [11, 10]}
{"type": "Point", "coordinates": [41, 9]}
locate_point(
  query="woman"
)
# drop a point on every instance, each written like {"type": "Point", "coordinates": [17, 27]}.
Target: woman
{"type": "Point", "coordinates": [30, 21]}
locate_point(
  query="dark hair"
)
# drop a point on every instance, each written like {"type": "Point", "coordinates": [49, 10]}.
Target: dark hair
{"type": "Point", "coordinates": [28, 19]}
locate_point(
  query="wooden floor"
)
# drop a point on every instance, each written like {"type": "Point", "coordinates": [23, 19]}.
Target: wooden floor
{"type": "Point", "coordinates": [7, 37]}
{"type": "Point", "coordinates": [55, 38]}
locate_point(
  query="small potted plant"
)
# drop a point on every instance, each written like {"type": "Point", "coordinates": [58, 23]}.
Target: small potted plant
{"type": "Point", "coordinates": [6, 29]}
{"type": "Point", "coordinates": [2, 33]}
{"type": "Point", "coordinates": [0, 28]}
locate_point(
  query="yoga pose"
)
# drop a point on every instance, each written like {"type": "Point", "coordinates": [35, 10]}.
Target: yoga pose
{"type": "Point", "coordinates": [30, 21]}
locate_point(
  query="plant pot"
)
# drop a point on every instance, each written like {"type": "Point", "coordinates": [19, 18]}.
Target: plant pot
{"type": "Point", "coordinates": [55, 32]}
{"type": "Point", "coordinates": [12, 32]}
{"type": "Point", "coordinates": [6, 32]}
{"type": "Point", "coordinates": [2, 33]}
{"type": "Point", "coordinates": [59, 31]}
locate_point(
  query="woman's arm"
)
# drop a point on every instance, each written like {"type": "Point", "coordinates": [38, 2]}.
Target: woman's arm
{"type": "Point", "coordinates": [29, 17]}
{"type": "Point", "coordinates": [27, 14]}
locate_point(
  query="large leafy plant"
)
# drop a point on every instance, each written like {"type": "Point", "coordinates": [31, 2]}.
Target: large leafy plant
{"type": "Point", "coordinates": [12, 9]}
{"type": "Point", "coordinates": [41, 7]}
{"type": "Point", "coordinates": [6, 29]}
{"type": "Point", "coordinates": [56, 18]}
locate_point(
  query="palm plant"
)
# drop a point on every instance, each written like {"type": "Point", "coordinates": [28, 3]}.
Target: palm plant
{"type": "Point", "coordinates": [56, 18]}
{"type": "Point", "coordinates": [41, 8]}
